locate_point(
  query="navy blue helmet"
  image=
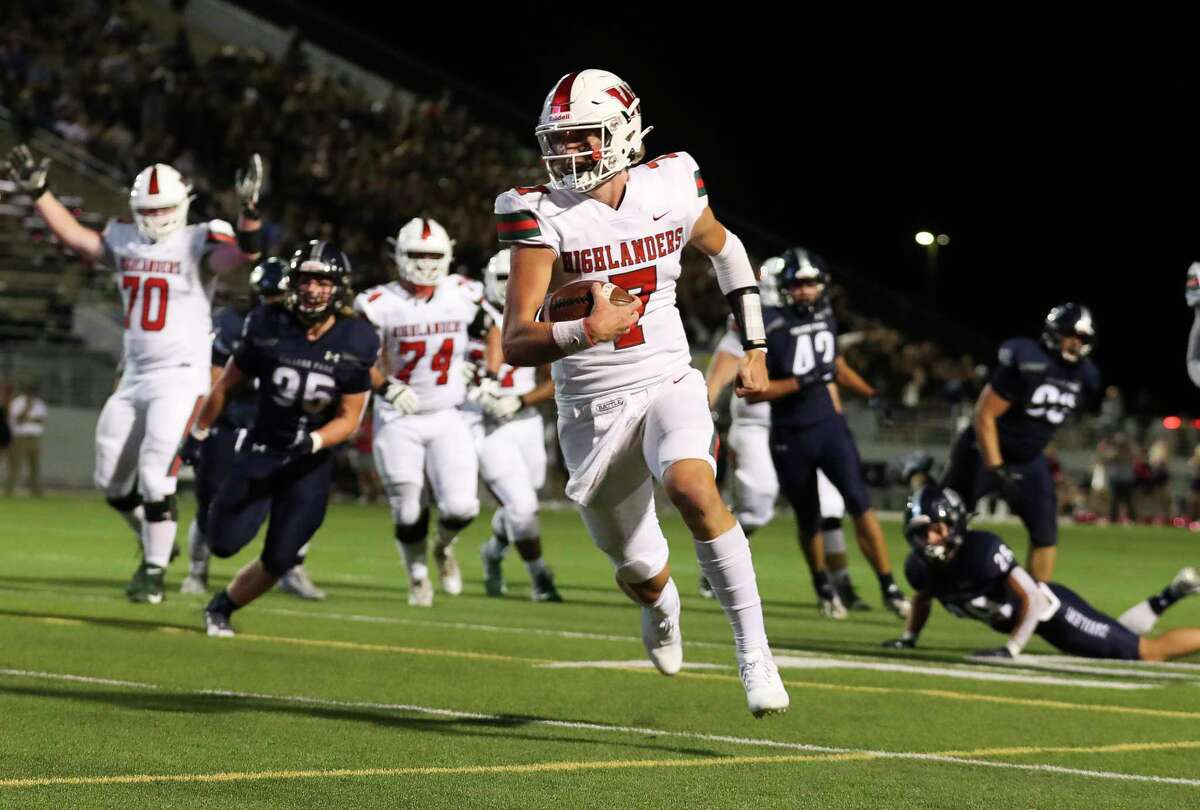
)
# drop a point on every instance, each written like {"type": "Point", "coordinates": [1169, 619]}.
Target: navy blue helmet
{"type": "Point", "coordinates": [1069, 320]}
{"type": "Point", "coordinates": [800, 265]}
{"type": "Point", "coordinates": [269, 278]}
{"type": "Point", "coordinates": [932, 504]}
{"type": "Point", "coordinates": [320, 259]}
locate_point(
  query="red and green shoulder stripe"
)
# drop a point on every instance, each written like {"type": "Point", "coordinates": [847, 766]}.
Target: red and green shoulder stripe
{"type": "Point", "coordinates": [701, 191]}
{"type": "Point", "coordinates": [517, 225]}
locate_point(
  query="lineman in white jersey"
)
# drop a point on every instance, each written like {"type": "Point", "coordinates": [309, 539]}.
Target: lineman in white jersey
{"type": "Point", "coordinates": [631, 410]}
{"type": "Point", "coordinates": [166, 311]}
{"type": "Point", "coordinates": [423, 320]}
{"type": "Point", "coordinates": [512, 453]}
{"type": "Point", "coordinates": [755, 485]}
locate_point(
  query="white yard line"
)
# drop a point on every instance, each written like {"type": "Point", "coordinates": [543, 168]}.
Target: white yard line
{"type": "Point", "coordinates": [611, 729]}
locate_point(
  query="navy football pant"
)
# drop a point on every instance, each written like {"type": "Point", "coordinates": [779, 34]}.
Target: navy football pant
{"type": "Point", "coordinates": [1037, 506]}
{"type": "Point", "coordinates": [292, 490]}
{"type": "Point", "coordinates": [212, 468]}
{"type": "Point", "coordinates": [828, 445]}
{"type": "Point", "coordinates": [1079, 629]}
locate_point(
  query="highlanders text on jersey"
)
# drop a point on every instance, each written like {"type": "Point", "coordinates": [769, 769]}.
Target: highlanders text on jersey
{"type": "Point", "coordinates": [166, 308]}
{"type": "Point", "coordinates": [425, 342]}
{"type": "Point", "coordinates": [636, 246]}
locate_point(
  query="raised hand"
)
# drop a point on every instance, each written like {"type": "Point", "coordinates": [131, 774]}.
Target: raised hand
{"type": "Point", "coordinates": [248, 184]}
{"type": "Point", "coordinates": [28, 174]}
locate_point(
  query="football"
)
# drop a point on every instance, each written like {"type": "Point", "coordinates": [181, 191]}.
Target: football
{"type": "Point", "coordinates": [573, 301]}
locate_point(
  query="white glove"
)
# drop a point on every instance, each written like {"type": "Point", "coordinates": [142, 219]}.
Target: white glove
{"type": "Point", "coordinates": [469, 372]}
{"type": "Point", "coordinates": [248, 184]}
{"type": "Point", "coordinates": [502, 408]}
{"type": "Point", "coordinates": [25, 171]}
{"type": "Point", "coordinates": [401, 397]}
{"type": "Point", "coordinates": [1191, 292]}
{"type": "Point", "coordinates": [483, 389]}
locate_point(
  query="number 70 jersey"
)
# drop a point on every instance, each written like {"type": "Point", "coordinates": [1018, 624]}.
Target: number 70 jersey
{"type": "Point", "coordinates": [636, 246]}
{"type": "Point", "coordinates": [424, 341]}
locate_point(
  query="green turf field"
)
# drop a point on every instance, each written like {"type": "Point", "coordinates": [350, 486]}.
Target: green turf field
{"type": "Point", "coordinates": [362, 701]}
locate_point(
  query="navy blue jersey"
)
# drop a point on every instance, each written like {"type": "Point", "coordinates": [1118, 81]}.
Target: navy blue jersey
{"type": "Point", "coordinates": [972, 583]}
{"type": "Point", "coordinates": [805, 347]}
{"type": "Point", "coordinates": [300, 382]}
{"type": "Point", "coordinates": [227, 336]}
{"type": "Point", "coordinates": [1044, 389]}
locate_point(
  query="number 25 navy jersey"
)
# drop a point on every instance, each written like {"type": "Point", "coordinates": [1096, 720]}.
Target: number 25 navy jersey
{"type": "Point", "coordinates": [803, 346]}
{"type": "Point", "coordinates": [1044, 390]}
{"type": "Point", "coordinates": [301, 382]}
{"type": "Point", "coordinates": [971, 584]}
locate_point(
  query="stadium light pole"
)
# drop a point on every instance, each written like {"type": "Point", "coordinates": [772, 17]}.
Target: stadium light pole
{"type": "Point", "coordinates": [931, 243]}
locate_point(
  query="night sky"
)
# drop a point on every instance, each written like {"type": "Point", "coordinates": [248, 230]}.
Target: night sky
{"type": "Point", "coordinates": [1061, 159]}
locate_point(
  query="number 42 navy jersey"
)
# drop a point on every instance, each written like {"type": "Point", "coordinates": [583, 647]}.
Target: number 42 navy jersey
{"type": "Point", "coordinates": [301, 382]}
{"type": "Point", "coordinates": [803, 346]}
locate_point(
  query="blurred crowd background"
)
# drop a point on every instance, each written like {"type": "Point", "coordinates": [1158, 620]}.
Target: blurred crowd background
{"type": "Point", "coordinates": [108, 87]}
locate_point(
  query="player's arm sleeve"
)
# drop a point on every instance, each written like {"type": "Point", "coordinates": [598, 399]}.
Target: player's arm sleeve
{"type": "Point", "coordinates": [1006, 380]}
{"type": "Point", "coordinates": [519, 221]}
{"type": "Point", "coordinates": [1032, 603]}
{"type": "Point", "coordinates": [1193, 351]}
{"type": "Point", "coordinates": [109, 257]}
{"type": "Point", "coordinates": [479, 326]}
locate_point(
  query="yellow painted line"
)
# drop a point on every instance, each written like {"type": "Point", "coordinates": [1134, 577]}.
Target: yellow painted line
{"type": "Point", "coordinates": [945, 694]}
{"type": "Point", "coordinates": [963, 696]}
{"type": "Point", "coordinates": [1114, 748]}
{"type": "Point", "coordinates": [63, 622]}
{"type": "Point", "coordinates": [464, 770]}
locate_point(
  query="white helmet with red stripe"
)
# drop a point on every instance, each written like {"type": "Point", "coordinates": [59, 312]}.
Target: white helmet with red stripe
{"type": "Point", "coordinates": [590, 129]}
{"type": "Point", "coordinates": [159, 201]}
{"type": "Point", "coordinates": [495, 277]}
{"type": "Point", "coordinates": [423, 252]}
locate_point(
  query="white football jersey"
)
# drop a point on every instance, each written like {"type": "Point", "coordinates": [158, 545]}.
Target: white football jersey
{"type": "Point", "coordinates": [740, 410]}
{"type": "Point", "coordinates": [636, 246]}
{"type": "Point", "coordinates": [424, 342]}
{"type": "Point", "coordinates": [167, 310]}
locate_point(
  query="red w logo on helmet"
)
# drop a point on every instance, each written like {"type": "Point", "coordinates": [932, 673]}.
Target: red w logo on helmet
{"type": "Point", "coordinates": [622, 93]}
{"type": "Point", "coordinates": [153, 181]}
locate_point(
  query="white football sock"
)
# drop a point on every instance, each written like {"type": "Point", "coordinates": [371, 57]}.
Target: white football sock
{"type": "Point", "coordinates": [1140, 618]}
{"type": "Point", "coordinates": [668, 604]}
{"type": "Point", "coordinates": [415, 563]}
{"type": "Point", "coordinates": [136, 518]}
{"type": "Point", "coordinates": [198, 551]}
{"type": "Point", "coordinates": [725, 561]}
{"type": "Point", "coordinates": [158, 538]}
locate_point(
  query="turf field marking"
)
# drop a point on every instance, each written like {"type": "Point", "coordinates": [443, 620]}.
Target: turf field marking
{"type": "Point", "coordinates": [816, 752]}
{"type": "Point", "coordinates": [637, 664]}
{"type": "Point", "coordinates": [392, 648]}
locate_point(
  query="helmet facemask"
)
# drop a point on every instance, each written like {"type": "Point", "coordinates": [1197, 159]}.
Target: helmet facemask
{"type": "Point", "coordinates": [1066, 321]}
{"type": "Point", "coordinates": [313, 303]}
{"type": "Point", "coordinates": [157, 224]}
{"type": "Point", "coordinates": [917, 533]}
{"type": "Point", "coordinates": [159, 201]}
{"type": "Point", "coordinates": [615, 144]}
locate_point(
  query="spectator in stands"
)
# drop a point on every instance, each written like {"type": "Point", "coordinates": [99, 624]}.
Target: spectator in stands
{"type": "Point", "coordinates": [1155, 483]}
{"type": "Point", "coordinates": [1119, 453]}
{"type": "Point", "coordinates": [1193, 498]}
{"type": "Point", "coordinates": [26, 422]}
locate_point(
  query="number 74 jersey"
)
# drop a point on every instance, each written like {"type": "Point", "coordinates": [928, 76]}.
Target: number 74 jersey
{"type": "Point", "coordinates": [424, 342]}
{"type": "Point", "coordinates": [636, 246]}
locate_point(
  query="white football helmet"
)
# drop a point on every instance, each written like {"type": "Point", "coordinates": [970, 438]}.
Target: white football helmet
{"type": "Point", "coordinates": [590, 102]}
{"type": "Point", "coordinates": [159, 201]}
{"type": "Point", "coordinates": [768, 282]}
{"type": "Point", "coordinates": [423, 252]}
{"type": "Point", "coordinates": [495, 277]}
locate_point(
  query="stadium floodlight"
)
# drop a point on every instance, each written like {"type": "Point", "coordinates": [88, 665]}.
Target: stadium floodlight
{"type": "Point", "coordinates": [943, 239]}
{"type": "Point", "coordinates": [924, 238]}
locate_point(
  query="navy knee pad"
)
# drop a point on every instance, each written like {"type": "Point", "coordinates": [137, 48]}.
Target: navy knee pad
{"type": "Point", "coordinates": [829, 524]}
{"type": "Point", "coordinates": [127, 503]}
{"type": "Point", "coordinates": [159, 511]}
{"type": "Point", "coordinates": [414, 532]}
{"type": "Point", "coordinates": [453, 524]}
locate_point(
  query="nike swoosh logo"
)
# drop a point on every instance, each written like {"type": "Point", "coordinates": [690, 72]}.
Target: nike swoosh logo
{"type": "Point", "coordinates": [660, 216]}
{"type": "Point", "coordinates": [673, 382]}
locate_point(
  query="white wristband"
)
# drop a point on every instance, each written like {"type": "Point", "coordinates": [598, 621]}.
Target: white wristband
{"type": "Point", "coordinates": [318, 443]}
{"type": "Point", "coordinates": [570, 336]}
{"type": "Point", "coordinates": [199, 433]}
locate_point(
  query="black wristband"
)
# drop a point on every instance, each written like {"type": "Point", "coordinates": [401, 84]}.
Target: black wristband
{"type": "Point", "coordinates": [747, 314]}
{"type": "Point", "coordinates": [251, 214]}
{"type": "Point", "coordinates": [250, 242]}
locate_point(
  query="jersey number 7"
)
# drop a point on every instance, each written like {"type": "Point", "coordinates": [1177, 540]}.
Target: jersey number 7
{"type": "Point", "coordinates": [641, 283]}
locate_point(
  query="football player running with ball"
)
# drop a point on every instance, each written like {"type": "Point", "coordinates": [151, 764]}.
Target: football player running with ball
{"type": "Point", "coordinates": [631, 409]}
{"type": "Point", "coordinates": [424, 320]}
{"type": "Point", "coordinates": [158, 259]}
{"type": "Point", "coordinates": [311, 361]}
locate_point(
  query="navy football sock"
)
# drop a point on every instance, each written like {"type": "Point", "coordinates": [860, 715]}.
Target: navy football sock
{"type": "Point", "coordinates": [886, 583]}
{"type": "Point", "coordinates": [221, 603]}
{"type": "Point", "coordinates": [1163, 600]}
